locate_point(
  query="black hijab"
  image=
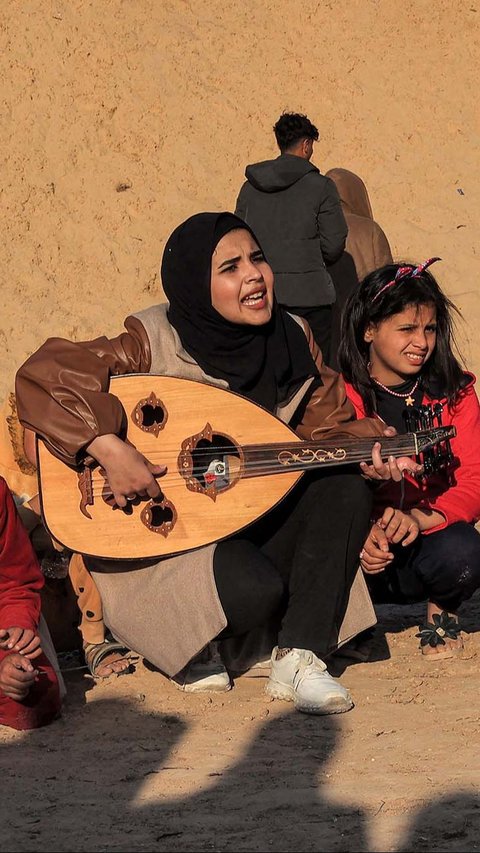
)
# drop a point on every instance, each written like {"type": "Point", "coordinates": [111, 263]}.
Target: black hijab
{"type": "Point", "coordinates": [264, 363]}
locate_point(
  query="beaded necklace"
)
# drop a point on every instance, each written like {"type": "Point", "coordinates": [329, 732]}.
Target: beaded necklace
{"type": "Point", "coordinates": [408, 397]}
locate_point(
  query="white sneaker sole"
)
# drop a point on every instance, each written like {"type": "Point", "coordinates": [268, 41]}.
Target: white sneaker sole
{"type": "Point", "coordinates": [333, 705]}
{"type": "Point", "coordinates": [277, 690]}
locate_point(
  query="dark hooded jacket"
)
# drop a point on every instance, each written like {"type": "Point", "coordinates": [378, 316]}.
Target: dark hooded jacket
{"type": "Point", "coordinates": [296, 214]}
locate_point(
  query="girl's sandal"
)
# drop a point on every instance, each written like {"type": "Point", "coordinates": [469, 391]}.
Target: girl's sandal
{"type": "Point", "coordinates": [96, 655]}
{"type": "Point", "coordinates": [434, 637]}
{"type": "Point", "coordinates": [448, 651]}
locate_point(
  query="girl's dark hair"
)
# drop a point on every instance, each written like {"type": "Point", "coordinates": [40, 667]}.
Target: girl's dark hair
{"type": "Point", "coordinates": [441, 371]}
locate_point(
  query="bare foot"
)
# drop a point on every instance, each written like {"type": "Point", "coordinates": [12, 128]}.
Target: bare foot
{"type": "Point", "coordinates": [111, 664]}
{"type": "Point", "coordinates": [107, 658]}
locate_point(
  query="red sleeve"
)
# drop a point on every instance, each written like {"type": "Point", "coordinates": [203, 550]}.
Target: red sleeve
{"type": "Point", "coordinates": [355, 400]}
{"type": "Point", "coordinates": [20, 577]}
{"type": "Point", "coordinates": [461, 502]}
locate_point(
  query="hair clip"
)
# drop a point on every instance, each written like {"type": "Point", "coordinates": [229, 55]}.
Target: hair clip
{"type": "Point", "coordinates": [406, 272]}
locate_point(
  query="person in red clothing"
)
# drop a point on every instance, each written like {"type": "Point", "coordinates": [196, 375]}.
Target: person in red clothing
{"type": "Point", "coordinates": [29, 689]}
{"type": "Point", "coordinates": [398, 364]}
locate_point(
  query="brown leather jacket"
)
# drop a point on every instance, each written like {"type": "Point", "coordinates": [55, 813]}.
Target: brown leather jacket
{"type": "Point", "coordinates": [62, 391]}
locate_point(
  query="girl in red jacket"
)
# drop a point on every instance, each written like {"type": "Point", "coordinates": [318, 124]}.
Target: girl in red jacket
{"type": "Point", "coordinates": [29, 689]}
{"type": "Point", "coordinates": [397, 360]}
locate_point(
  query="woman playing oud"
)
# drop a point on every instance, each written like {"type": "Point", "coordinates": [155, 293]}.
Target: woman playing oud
{"type": "Point", "coordinates": [222, 327]}
{"type": "Point", "coordinates": [396, 356]}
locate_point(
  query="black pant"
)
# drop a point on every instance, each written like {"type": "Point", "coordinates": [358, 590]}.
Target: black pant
{"type": "Point", "coordinates": [297, 564]}
{"type": "Point", "coordinates": [319, 318]}
{"type": "Point", "coordinates": [345, 280]}
{"type": "Point", "coordinates": [442, 567]}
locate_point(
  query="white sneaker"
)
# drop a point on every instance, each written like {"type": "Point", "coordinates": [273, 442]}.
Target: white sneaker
{"type": "Point", "coordinates": [203, 674]}
{"type": "Point", "coordinates": [301, 677]}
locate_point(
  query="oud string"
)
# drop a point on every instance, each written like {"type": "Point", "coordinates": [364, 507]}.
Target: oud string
{"type": "Point", "coordinates": [249, 468]}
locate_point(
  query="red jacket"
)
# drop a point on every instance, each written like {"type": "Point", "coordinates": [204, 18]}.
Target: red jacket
{"type": "Point", "coordinates": [20, 577]}
{"type": "Point", "coordinates": [459, 501]}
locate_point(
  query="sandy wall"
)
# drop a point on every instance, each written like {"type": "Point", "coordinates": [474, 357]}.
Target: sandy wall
{"type": "Point", "coordinates": [121, 118]}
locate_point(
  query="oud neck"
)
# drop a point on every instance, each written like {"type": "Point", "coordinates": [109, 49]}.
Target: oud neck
{"type": "Point", "coordinates": [264, 459]}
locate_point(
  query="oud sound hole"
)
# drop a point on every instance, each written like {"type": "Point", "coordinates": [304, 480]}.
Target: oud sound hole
{"type": "Point", "coordinates": [210, 462]}
{"type": "Point", "coordinates": [150, 414]}
{"type": "Point", "coordinates": [159, 516]}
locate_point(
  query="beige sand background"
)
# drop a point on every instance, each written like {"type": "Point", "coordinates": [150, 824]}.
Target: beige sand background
{"type": "Point", "coordinates": [120, 118]}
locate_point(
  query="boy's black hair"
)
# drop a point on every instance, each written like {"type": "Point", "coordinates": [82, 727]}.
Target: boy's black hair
{"type": "Point", "coordinates": [291, 128]}
{"type": "Point", "coordinates": [442, 372]}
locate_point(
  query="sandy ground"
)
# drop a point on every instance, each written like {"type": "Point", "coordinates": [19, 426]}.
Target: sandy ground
{"type": "Point", "coordinates": [134, 764]}
{"type": "Point", "coordinates": [119, 119]}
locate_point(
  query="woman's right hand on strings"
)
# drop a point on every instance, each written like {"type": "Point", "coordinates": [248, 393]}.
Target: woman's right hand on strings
{"type": "Point", "coordinates": [128, 472]}
{"type": "Point", "coordinates": [393, 527]}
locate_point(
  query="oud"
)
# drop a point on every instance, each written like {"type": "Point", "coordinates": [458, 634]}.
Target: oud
{"type": "Point", "coordinates": [228, 462]}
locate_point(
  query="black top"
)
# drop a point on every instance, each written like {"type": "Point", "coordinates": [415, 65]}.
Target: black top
{"type": "Point", "coordinates": [392, 409]}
